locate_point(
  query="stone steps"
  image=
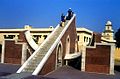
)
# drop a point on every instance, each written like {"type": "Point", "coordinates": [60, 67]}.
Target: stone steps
{"type": "Point", "coordinates": [35, 61]}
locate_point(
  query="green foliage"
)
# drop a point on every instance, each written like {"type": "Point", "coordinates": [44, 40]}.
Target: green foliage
{"type": "Point", "coordinates": [117, 38]}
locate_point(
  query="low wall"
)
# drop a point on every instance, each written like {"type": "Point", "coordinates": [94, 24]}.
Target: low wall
{"type": "Point", "coordinates": [98, 59]}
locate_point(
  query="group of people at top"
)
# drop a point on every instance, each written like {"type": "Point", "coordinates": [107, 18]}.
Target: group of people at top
{"type": "Point", "coordinates": [68, 17]}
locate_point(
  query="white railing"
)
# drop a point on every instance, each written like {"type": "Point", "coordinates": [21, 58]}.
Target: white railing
{"type": "Point", "coordinates": [41, 64]}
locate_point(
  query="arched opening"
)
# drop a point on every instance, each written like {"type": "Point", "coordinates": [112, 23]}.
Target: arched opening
{"type": "Point", "coordinates": [70, 58]}
{"type": "Point", "coordinates": [59, 55]}
{"type": "Point", "coordinates": [76, 62]}
{"type": "Point", "coordinates": [68, 45]}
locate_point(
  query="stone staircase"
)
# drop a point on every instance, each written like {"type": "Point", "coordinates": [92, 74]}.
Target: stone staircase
{"type": "Point", "coordinates": [34, 62]}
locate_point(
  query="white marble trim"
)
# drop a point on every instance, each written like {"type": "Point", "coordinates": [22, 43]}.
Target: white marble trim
{"type": "Point", "coordinates": [3, 52]}
{"type": "Point", "coordinates": [30, 41]}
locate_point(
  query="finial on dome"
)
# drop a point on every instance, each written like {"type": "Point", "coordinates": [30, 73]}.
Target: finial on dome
{"type": "Point", "coordinates": [109, 23]}
{"type": "Point", "coordinates": [27, 27]}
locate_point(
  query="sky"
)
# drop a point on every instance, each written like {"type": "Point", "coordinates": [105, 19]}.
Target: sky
{"type": "Point", "coordinates": [90, 14]}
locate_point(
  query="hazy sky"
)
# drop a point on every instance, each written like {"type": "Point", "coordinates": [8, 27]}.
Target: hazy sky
{"type": "Point", "coordinates": [91, 14]}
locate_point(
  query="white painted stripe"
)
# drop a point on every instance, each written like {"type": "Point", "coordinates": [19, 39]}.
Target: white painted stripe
{"type": "Point", "coordinates": [72, 56]}
{"type": "Point", "coordinates": [24, 53]}
{"type": "Point", "coordinates": [3, 52]}
{"type": "Point", "coordinates": [30, 40]}
{"type": "Point", "coordinates": [22, 29]}
{"type": "Point", "coordinates": [112, 59]}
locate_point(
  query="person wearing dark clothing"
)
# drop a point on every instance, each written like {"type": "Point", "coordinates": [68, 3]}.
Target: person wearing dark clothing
{"type": "Point", "coordinates": [62, 20]}
{"type": "Point", "coordinates": [70, 14]}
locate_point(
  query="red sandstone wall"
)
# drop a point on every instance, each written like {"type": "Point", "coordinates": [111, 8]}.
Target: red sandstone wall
{"type": "Point", "coordinates": [97, 37]}
{"type": "Point", "coordinates": [50, 64]}
{"type": "Point", "coordinates": [13, 52]}
{"type": "Point", "coordinates": [22, 37]}
{"type": "Point", "coordinates": [98, 59]}
{"type": "Point", "coordinates": [71, 31]}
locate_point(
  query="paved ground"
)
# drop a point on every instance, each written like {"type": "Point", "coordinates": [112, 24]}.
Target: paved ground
{"type": "Point", "coordinates": [9, 68]}
{"type": "Point", "coordinates": [64, 72]}
{"type": "Point", "coordinates": [8, 71]}
{"type": "Point", "coordinates": [67, 72]}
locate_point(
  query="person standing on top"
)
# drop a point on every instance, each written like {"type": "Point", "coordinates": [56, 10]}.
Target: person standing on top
{"type": "Point", "coordinates": [70, 14]}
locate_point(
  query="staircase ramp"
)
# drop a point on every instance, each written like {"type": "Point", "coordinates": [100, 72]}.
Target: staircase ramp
{"type": "Point", "coordinates": [37, 60]}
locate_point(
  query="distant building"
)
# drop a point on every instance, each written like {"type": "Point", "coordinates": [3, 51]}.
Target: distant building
{"type": "Point", "coordinates": [108, 33]}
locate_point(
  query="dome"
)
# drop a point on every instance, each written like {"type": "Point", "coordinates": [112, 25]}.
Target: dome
{"type": "Point", "coordinates": [51, 27]}
{"type": "Point", "coordinates": [109, 23]}
{"type": "Point", "coordinates": [27, 27]}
